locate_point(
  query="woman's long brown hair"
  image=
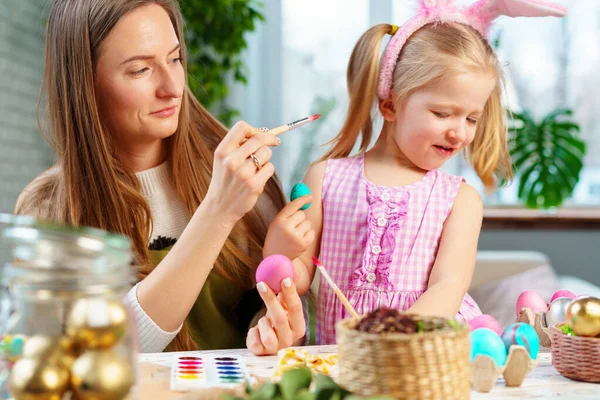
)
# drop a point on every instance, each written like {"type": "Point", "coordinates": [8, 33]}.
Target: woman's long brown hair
{"type": "Point", "coordinates": [89, 185]}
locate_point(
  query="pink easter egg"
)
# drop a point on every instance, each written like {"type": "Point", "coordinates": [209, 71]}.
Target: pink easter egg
{"type": "Point", "coordinates": [485, 321]}
{"type": "Point", "coordinates": [530, 299]}
{"type": "Point", "coordinates": [563, 293]}
{"type": "Point", "coordinates": [273, 269]}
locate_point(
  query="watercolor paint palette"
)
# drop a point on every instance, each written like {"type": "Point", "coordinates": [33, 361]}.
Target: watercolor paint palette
{"type": "Point", "coordinates": [192, 372]}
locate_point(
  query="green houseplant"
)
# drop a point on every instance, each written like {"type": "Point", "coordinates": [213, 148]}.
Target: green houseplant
{"type": "Point", "coordinates": [547, 157]}
{"type": "Point", "coordinates": [215, 38]}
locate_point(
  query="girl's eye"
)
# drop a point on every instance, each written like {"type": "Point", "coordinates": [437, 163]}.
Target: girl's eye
{"type": "Point", "coordinates": [472, 121]}
{"type": "Point", "coordinates": [439, 114]}
{"type": "Point", "coordinates": [177, 60]}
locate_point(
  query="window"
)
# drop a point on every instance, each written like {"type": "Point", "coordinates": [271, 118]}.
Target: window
{"type": "Point", "coordinates": [317, 38]}
{"type": "Point", "coordinates": [550, 63]}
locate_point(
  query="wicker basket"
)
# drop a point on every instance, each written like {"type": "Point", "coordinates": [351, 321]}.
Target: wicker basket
{"type": "Point", "coordinates": [430, 365]}
{"type": "Point", "coordinates": [576, 357]}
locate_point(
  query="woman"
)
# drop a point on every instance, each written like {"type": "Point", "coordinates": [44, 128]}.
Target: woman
{"type": "Point", "coordinates": [135, 156]}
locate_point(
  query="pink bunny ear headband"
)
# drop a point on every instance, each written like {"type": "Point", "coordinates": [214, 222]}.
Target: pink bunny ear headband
{"type": "Point", "coordinates": [479, 16]}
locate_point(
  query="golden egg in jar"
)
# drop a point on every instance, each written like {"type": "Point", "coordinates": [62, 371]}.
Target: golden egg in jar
{"type": "Point", "coordinates": [58, 349]}
{"type": "Point", "coordinates": [97, 323]}
{"type": "Point", "coordinates": [38, 379]}
{"type": "Point", "coordinates": [102, 375]}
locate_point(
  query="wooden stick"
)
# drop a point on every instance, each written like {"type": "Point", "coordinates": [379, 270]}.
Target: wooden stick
{"type": "Point", "coordinates": [336, 289]}
{"type": "Point", "coordinates": [345, 301]}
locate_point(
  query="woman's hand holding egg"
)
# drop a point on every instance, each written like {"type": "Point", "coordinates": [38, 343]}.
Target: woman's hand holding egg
{"type": "Point", "coordinates": [283, 325]}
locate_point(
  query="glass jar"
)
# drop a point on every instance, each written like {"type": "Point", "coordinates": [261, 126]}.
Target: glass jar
{"type": "Point", "coordinates": [67, 330]}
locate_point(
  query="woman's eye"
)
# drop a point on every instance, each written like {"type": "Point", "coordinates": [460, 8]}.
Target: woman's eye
{"type": "Point", "coordinates": [140, 71]}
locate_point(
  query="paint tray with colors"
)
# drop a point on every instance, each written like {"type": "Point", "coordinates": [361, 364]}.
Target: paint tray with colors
{"type": "Point", "coordinates": [191, 372]}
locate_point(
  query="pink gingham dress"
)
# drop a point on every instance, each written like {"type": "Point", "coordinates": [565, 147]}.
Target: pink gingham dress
{"type": "Point", "coordinates": [379, 243]}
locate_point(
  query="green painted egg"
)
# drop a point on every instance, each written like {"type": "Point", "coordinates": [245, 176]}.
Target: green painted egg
{"type": "Point", "coordinates": [299, 190]}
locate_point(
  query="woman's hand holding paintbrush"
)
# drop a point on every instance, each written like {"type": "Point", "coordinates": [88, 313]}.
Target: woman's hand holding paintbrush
{"type": "Point", "coordinates": [241, 168]}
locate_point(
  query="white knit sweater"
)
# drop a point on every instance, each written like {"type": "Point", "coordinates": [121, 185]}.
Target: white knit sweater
{"type": "Point", "coordinates": [170, 218]}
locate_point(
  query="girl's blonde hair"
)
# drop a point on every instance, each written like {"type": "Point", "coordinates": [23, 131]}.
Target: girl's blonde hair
{"type": "Point", "coordinates": [89, 185]}
{"type": "Point", "coordinates": [434, 52]}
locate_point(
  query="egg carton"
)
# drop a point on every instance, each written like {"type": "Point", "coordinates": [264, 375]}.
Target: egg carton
{"type": "Point", "coordinates": [485, 372]}
{"type": "Point", "coordinates": [538, 322]}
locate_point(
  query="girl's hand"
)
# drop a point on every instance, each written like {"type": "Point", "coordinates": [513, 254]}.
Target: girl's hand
{"type": "Point", "coordinates": [290, 233]}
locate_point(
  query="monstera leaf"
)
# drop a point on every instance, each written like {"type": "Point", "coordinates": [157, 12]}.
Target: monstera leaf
{"type": "Point", "coordinates": [547, 157]}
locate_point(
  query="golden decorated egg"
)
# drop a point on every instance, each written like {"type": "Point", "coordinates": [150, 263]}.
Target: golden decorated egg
{"type": "Point", "coordinates": [97, 323]}
{"type": "Point", "coordinates": [102, 375]}
{"type": "Point", "coordinates": [583, 316]}
{"type": "Point", "coordinates": [52, 348]}
{"type": "Point", "coordinates": [37, 379]}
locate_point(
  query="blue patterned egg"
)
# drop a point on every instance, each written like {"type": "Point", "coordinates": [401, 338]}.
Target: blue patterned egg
{"type": "Point", "coordinates": [17, 345]}
{"type": "Point", "coordinates": [522, 334]}
{"type": "Point", "coordinates": [299, 190]}
{"type": "Point", "coordinates": [486, 342]}
{"type": "Point", "coordinates": [11, 347]}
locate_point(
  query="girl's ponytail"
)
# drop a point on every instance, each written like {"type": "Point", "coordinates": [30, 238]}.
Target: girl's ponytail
{"type": "Point", "coordinates": [362, 77]}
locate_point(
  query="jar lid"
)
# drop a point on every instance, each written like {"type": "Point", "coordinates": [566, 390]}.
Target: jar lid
{"type": "Point", "coordinates": [62, 250]}
{"type": "Point", "coordinates": [16, 227]}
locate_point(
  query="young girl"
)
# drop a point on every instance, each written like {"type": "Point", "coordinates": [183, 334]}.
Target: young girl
{"type": "Point", "coordinates": [391, 228]}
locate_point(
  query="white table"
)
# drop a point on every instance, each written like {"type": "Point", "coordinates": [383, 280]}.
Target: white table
{"type": "Point", "coordinates": [543, 382]}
